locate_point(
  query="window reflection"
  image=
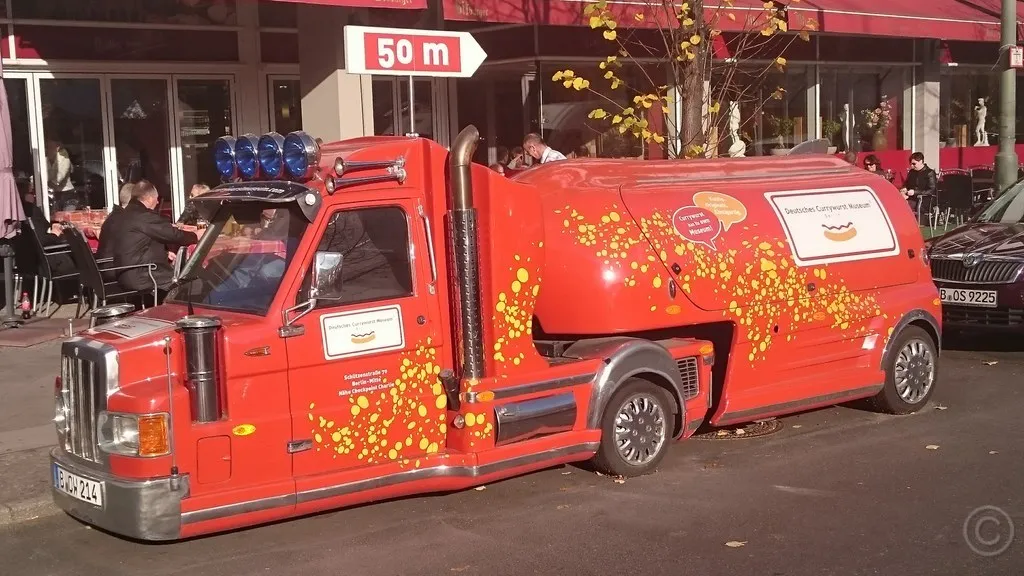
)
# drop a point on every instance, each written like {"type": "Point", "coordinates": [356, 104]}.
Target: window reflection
{"type": "Point", "coordinates": [287, 105]}
{"type": "Point", "coordinates": [204, 114]}
{"type": "Point", "coordinates": [73, 128]}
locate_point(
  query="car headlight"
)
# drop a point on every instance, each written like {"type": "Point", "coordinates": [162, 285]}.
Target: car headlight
{"type": "Point", "coordinates": [143, 435]}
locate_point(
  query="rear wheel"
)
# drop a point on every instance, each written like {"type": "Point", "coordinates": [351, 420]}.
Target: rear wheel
{"type": "Point", "coordinates": [910, 373]}
{"type": "Point", "coordinates": [635, 429]}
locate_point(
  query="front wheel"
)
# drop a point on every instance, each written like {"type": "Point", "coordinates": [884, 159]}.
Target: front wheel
{"type": "Point", "coordinates": [635, 429]}
{"type": "Point", "coordinates": [910, 373]}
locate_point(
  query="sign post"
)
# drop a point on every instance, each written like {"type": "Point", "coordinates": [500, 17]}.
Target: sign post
{"type": "Point", "coordinates": [413, 53]}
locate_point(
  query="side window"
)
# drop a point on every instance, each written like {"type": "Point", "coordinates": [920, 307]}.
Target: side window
{"type": "Point", "coordinates": [374, 244]}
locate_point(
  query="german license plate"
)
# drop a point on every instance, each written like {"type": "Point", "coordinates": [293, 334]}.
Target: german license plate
{"type": "Point", "coordinates": [965, 297]}
{"type": "Point", "coordinates": [89, 491]}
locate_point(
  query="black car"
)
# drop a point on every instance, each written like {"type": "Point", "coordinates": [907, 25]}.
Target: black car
{"type": "Point", "coordinates": [977, 268]}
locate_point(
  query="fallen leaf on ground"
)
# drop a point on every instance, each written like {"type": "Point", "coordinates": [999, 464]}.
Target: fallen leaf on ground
{"type": "Point", "coordinates": [566, 473]}
{"type": "Point", "coordinates": [941, 407]}
{"type": "Point", "coordinates": [740, 431]}
{"type": "Point", "coordinates": [598, 473]}
{"type": "Point", "coordinates": [735, 543]}
{"type": "Point", "coordinates": [723, 432]}
{"type": "Point", "coordinates": [619, 480]}
{"type": "Point", "coordinates": [460, 569]}
{"type": "Point", "coordinates": [479, 488]}
{"type": "Point", "coordinates": [798, 426]}
{"type": "Point", "coordinates": [993, 452]}
{"type": "Point", "coordinates": [561, 507]}
{"type": "Point", "coordinates": [932, 446]}
{"type": "Point", "coordinates": [991, 362]}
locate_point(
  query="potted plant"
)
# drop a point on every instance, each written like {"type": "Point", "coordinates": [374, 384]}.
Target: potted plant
{"type": "Point", "coordinates": [876, 122]}
{"type": "Point", "coordinates": [830, 129]}
{"type": "Point", "coordinates": [780, 129]}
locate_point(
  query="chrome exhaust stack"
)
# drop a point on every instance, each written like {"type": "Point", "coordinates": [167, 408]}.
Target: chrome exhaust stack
{"type": "Point", "coordinates": [202, 361]}
{"type": "Point", "coordinates": [466, 250]}
{"type": "Point", "coordinates": [109, 314]}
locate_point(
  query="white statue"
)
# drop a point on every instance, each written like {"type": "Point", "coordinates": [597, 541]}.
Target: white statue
{"type": "Point", "coordinates": [980, 135]}
{"type": "Point", "coordinates": [846, 119]}
{"type": "Point", "coordinates": [738, 148]}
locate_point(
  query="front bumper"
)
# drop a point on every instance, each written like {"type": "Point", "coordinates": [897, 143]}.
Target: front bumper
{"type": "Point", "coordinates": [140, 509]}
{"type": "Point", "coordinates": [1008, 315]}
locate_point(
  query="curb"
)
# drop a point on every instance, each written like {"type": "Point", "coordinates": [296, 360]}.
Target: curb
{"type": "Point", "coordinates": [25, 510]}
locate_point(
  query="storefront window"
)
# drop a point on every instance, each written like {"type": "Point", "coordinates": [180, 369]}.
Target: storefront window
{"type": "Point", "coordinates": [846, 96]}
{"type": "Point", "coordinates": [278, 15]}
{"type": "Point", "coordinates": [383, 107]}
{"type": "Point", "coordinates": [141, 140]}
{"type": "Point", "coordinates": [959, 93]}
{"type": "Point", "coordinates": [17, 102]}
{"type": "Point", "coordinates": [387, 116]}
{"type": "Point", "coordinates": [73, 129]}
{"type": "Point", "coordinates": [189, 13]}
{"type": "Point", "coordinates": [287, 105]}
{"type": "Point", "coordinates": [204, 114]}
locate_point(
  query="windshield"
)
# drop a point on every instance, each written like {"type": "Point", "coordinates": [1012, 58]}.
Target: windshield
{"type": "Point", "coordinates": [240, 261]}
{"type": "Point", "coordinates": [1007, 209]}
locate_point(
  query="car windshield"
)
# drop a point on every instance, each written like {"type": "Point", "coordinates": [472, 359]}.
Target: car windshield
{"type": "Point", "coordinates": [1007, 209]}
{"type": "Point", "coordinates": [240, 261]}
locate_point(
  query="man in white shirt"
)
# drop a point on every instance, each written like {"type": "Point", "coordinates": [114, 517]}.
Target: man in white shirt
{"type": "Point", "coordinates": [534, 145]}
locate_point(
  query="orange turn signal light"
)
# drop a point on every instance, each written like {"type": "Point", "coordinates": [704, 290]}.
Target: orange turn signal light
{"type": "Point", "coordinates": [154, 439]}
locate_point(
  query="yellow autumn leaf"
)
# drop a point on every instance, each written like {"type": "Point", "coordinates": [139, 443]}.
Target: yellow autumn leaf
{"type": "Point", "coordinates": [684, 7]}
{"type": "Point", "coordinates": [568, 73]}
{"type": "Point", "coordinates": [695, 39]}
{"type": "Point", "coordinates": [646, 134]}
{"type": "Point", "coordinates": [684, 45]}
{"type": "Point", "coordinates": [638, 17]}
{"type": "Point", "coordinates": [766, 32]}
{"type": "Point", "coordinates": [602, 65]}
{"type": "Point", "coordinates": [609, 75]}
{"type": "Point", "coordinates": [611, 59]}
{"type": "Point", "coordinates": [616, 119]}
{"type": "Point", "coordinates": [595, 21]}
{"type": "Point", "coordinates": [665, 109]}
{"type": "Point", "coordinates": [611, 24]}
{"type": "Point", "coordinates": [567, 83]}
{"type": "Point", "coordinates": [627, 111]}
{"type": "Point", "coordinates": [659, 138]}
{"type": "Point", "coordinates": [616, 83]}
{"type": "Point", "coordinates": [804, 36]}
{"type": "Point", "coordinates": [623, 128]}
{"type": "Point", "coordinates": [598, 114]}
{"type": "Point", "coordinates": [769, 5]}
{"type": "Point", "coordinates": [780, 61]}
{"type": "Point", "coordinates": [783, 26]}
{"type": "Point", "coordinates": [714, 108]}
{"type": "Point", "coordinates": [690, 55]}
{"type": "Point", "coordinates": [688, 22]}
{"type": "Point", "coordinates": [580, 83]}
{"type": "Point", "coordinates": [609, 35]}
{"type": "Point", "coordinates": [646, 103]}
{"type": "Point", "coordinates": [557, 76]}
{"type": "Point", "coordinates": [731, 16]}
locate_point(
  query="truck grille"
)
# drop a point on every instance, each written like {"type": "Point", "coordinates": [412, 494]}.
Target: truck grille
{"type": "Point", "coordinates": [994, 317]}
{"type": "Point", "coordinates": [994, 272]}
{"type": "Point", "coordinates": [82, 395]}
{"type": "Point", "coordinates": [689, 376]}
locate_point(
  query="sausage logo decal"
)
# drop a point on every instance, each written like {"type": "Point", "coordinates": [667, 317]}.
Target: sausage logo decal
{"type": "Point", "coordinates": [834, 225]}
{"type": "Point", "coordinates": [359, 332]}
{"type": "Point", "coordinates": [840, 233]}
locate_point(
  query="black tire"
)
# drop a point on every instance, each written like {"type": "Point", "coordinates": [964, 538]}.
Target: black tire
{"type": "Point", "coordinates": [915, 355]}
{"type": "Point", "coordinates": [642, 454]}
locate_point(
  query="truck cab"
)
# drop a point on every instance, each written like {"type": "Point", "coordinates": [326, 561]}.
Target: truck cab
{"type": "Point", "coordinates": [380, 317]}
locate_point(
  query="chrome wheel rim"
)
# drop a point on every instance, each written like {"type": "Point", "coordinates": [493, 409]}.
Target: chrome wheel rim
{"type": "Point", "coordinates": [914, 372]}
{"type": "Point", "coordinates": [640, 429]}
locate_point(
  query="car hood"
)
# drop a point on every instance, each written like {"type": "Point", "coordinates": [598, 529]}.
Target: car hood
{"type": "Point", "coordinates": [995, 239]}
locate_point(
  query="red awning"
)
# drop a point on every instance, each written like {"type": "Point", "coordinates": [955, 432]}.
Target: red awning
{"type": "Point", "coordinates": [400, 4]}
{"type": "Point", "coordinates": [976, 20]}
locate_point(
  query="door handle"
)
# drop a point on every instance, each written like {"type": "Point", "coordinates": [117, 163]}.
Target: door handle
{"type": "Point", "coordinates": [430, 248]}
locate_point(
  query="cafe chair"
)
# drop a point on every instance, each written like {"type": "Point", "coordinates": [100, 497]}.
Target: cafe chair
{"type": "Point", "coordinates": [91, 274]}
{"type": "Point", "coordinates": [955, 196]}
{"type": "Point", "coordinates": [43, 298]}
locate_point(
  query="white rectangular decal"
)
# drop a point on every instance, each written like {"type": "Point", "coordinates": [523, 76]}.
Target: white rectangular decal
{"type": "Point", "coordinates": [834, 225]}
{"type": "Point", "coordinates": [362, 332]}
{"type": "Point", "coordinates": [134, 327]}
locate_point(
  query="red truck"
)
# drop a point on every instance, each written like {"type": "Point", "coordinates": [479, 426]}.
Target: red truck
{"type": "Point", "coordinates": [380, 317]}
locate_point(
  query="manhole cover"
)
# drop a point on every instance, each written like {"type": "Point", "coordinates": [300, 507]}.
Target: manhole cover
{"type": "Point", "coordinates": [752, 430]}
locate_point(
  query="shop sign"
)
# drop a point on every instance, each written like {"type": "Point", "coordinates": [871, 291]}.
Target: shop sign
{"type": "Point", "coordinates": [410, 52]}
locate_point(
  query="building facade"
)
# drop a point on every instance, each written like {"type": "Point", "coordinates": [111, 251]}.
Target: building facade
{"type": "Point", "coordinates": [128, 89]}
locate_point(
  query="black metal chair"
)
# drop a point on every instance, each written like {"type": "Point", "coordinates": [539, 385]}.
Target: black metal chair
{"type": "Point", "coordinates": [984, 178]}
{"type": "Point", "coordinates": [46, 279]}
{"type": "Point", "coordinates": [956, 196]}
{"type": "Point", "coordinates": [91, 274]}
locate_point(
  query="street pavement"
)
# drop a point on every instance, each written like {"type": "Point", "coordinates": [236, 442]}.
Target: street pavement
{"type": "Point", "coordinates": [837, 491]}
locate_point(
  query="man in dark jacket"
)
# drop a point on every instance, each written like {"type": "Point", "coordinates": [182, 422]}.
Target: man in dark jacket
{"type": "Point", "coordinates": [144, 237]}
{"type": "Point", "coordinates": [921, 183]}
{"type": "Point", "coordinates": [111, 226]}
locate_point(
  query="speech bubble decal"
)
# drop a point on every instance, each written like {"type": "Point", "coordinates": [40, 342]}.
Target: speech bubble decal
{"type": "Point", "coordinates": [698, 225]}
{"type": "Point", "coordinates": [728, 209]}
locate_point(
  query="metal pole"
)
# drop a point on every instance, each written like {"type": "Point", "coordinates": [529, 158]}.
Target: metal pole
{"type": "Point", "coordinates": [412, 105]}
{"type": "Point", "coordinates": [8, 256]}
{"type": "Point", "coordinates": [1006, 159]}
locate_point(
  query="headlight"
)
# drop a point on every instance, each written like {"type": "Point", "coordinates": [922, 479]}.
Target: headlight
{"type": "Point", "coordinates": [144, 435]}
{"type": "Point", "coordinates": [301, 155]}
{"type": "Point", "coordinates": [245, 156]}
{"type": "Point", "coordinates": [224, 157]}
{"type": "Point", "coordinates": [270, 154]}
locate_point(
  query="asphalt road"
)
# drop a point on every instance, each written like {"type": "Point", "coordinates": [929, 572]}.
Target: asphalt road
{"type": "Point", "coordinates": [837, 491]}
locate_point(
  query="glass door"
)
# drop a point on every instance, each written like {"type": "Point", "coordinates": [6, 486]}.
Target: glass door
{"type": "Point", "coordinates": [73, 174]}
{"type": "Point", "coordinates": [285, 104]}
{"type": "Point", "coordinates": [204, 111]}
{"type": "Point", "coordinates": [140, 123]}
{"type": "Point", "coordinates": [22, 111]}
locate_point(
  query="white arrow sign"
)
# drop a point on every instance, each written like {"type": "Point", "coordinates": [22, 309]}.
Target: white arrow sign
{"type": "Point", "coordinates": [409, 52]}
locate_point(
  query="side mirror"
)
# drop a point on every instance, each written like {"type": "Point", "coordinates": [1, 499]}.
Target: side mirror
{"type": "Point", "coordinates": [326, 283]}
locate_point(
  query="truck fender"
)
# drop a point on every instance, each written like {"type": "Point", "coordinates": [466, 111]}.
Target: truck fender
{"type": "Point", "coordinates": [622, 358]}
{"type": "Point", "coordinates": [909, 318]}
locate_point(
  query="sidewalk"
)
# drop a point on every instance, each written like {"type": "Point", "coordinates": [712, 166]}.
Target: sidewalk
{"type": "Point", "coordinates": [26, 428]}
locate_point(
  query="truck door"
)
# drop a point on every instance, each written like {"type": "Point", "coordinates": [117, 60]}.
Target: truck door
{"type": "Point", "coordinates": [363, 369]}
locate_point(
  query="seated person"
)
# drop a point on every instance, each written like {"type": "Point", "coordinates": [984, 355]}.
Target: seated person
{"type": "Point", "coordinates": [921, 182]}
{"type": "Point", "coordinates": [145, 238]}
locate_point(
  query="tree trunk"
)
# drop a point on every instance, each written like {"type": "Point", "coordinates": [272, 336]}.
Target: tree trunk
{"type": "Point", "coordinates": [693, 74]}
